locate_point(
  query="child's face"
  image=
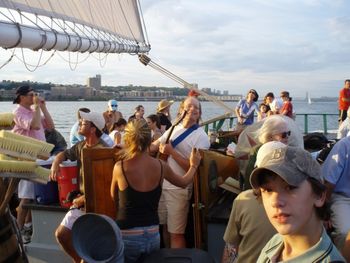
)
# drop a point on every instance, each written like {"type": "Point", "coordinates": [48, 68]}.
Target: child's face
{"type": "Point", "coordinates": [263, 108]}
{"type": "Point", "coordinates": [121, 128]}
{"type": "Point", "coordinates": [291, 210]}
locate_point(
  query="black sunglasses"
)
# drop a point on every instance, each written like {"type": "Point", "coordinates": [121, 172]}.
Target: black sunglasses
{"type": "Point", "coordinates": [285, 134]}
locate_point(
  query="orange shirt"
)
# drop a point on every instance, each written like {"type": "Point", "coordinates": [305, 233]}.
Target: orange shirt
{"type": "Point", "coordinates": [344, 93]}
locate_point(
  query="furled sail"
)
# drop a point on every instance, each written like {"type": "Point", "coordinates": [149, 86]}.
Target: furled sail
{"type": "Point", "coordinates": [108, 26]}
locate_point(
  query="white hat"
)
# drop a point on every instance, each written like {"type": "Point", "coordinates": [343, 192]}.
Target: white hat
{"type": "Point", "coordinates": [96, 118]}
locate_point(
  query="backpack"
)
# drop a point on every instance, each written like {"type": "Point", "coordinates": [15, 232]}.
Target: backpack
{"type": "Point", "coordinates": [315, 141]}
{"type": "Point", "coordinates": [322, 155]}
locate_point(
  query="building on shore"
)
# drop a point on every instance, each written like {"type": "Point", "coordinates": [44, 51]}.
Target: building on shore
{"type": "Point", "coordinates": [94, 82]}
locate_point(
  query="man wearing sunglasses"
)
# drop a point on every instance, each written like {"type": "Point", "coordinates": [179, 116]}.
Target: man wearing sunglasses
{"type": "Point", "coordinates": [31, 118]}
{"type": "Point", "coordinates": [111, 115]}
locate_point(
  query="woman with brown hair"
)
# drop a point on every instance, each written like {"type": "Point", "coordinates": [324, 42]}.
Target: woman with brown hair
{"type": "Point", "coordinates": [136, 188]}
{"type": "Point", "coordinates": [153, 122]}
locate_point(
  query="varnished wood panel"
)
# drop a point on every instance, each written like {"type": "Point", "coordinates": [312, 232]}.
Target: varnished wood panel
{"type": "Point", "coordinates": [98, 170]}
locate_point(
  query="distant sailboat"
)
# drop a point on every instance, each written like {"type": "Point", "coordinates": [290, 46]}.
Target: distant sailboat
{"type": "Point", "coordinates": [308, 98]}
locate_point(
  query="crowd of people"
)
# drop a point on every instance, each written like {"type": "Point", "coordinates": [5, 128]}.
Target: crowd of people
{"type": "Point", "coordinates": [290, 209]}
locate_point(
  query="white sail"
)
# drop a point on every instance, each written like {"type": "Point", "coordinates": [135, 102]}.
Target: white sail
{"type": "Point", "coordinates": [109, 26]}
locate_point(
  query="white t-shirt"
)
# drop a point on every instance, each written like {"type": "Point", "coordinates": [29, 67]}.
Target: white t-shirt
{"type": "Point", "coordinates": [276, 105]}
{"type": "Point", "coordinates": [197, 138]}
{"type": "Point", "coordinates": [344, 128]}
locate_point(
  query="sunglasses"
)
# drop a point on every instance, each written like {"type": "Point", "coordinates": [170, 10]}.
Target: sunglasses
{"type": "Point", "coordinates": [285, 134]}
{"type": "Point", "coordinates": [114, 105]}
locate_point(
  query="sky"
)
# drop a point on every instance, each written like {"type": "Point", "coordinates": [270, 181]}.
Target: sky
{"type": "Point", "coordinates": [269, 45]}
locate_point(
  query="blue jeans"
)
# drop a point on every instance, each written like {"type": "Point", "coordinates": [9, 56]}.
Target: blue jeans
{"type": "Point", "coordinates": [137, 244]}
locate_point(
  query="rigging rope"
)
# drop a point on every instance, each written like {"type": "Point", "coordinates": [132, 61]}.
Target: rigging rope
{"type": "Point", "coordinates": [8, 61]}
{"type": "Point", "coordinates": [148, 62]}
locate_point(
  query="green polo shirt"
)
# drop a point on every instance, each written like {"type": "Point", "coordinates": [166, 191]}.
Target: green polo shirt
{"type": "Point", "coordinates": [323, 251]}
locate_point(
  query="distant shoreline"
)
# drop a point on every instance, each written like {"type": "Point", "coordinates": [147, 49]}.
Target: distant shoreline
{"type": "Point", "coordinates": [322, 99]}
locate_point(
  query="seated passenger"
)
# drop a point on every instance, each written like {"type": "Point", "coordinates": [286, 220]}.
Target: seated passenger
{"type": "Point", "coordinates": [90, 126]}
{"type": "Point", "coordinates": [116, 132]}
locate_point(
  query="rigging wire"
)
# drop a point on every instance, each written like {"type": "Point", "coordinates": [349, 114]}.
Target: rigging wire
{"type": "Point", "coordinates": [8, 61]}
{"type": "Point", "coordinates": [147, 61]}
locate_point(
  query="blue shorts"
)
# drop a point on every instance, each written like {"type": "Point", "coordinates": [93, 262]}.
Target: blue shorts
{"type": "Point", "coordinates": [139, 241]}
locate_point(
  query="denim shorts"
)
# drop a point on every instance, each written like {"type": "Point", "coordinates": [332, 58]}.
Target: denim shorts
{"type": "Point", "coordinates": [139, 241]}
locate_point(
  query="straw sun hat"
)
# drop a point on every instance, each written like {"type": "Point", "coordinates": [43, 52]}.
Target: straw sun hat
{"type": "Point", "coordinates": [163, 104]}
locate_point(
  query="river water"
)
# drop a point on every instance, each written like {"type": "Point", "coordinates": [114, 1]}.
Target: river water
{"type": "Point", "coordinates": [64, 113]}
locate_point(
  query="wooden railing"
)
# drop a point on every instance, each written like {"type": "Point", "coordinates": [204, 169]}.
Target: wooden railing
{"type": "Point", "coordinates": [225, 122]}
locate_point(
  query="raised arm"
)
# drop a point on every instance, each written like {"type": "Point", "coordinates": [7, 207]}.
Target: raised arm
{"type": "Point", "coordinates": [36, 121]}
{"type": "Point", "coordinates": [48, 119]}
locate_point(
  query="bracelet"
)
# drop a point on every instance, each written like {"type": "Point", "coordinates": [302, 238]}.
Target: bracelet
{"type": "Point", "coordinates": [193, 166]}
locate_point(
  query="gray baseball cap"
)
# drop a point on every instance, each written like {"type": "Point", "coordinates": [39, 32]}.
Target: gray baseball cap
{"type": "Point", "coordinates": [292, 164]}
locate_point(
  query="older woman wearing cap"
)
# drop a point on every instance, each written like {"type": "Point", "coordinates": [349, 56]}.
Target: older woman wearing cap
{"type": "Point", "coordinates": [274, 128]}
{"type": "Point", "coordinates": [112, 115]}
{"type": "Point", "coordinates": [163, 112]}
{"type": "Point", "coordinates": [289, 183]}
{"type": "Point", "coordinates": [245, 110]}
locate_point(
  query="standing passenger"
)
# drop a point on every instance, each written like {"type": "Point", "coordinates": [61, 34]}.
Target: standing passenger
{"type": "Point", "coordinates": [245, 110]}
{"type": "Point", "coordinates": [289, 183]}
{"type": "Point", "coordinates": [263, 112]}
{"type": "Point", "coordinates": [138, 113]}
{"type": "Point", "coordinates": [136, 188]}
{"type": "Point", "coordinates": [163, 111]}
{"type": "Point", "coordinates": [174, 204]}
{"type": "Point", "coordinates": [155, 126]}
{"type": "Point", "coordinates": [274, 103]}
{"type": "Point", "coordinates": [287, 108]}
{"type": "Point", "coordinates": [112, 115]}
{"type": "Point", "coordinates": [344, 101]}
{"type": "Point", "coordinates": [116, 133]}
{"type": "Point", "coordinates": [344, 127]}
{"type": "Point", "coordinates": [29, 122]}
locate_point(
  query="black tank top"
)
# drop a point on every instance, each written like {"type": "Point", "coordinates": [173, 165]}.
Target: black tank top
{"type": "Point", "coordinates": [135, 208]}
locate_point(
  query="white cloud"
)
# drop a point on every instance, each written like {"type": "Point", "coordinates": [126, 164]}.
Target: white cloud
{"type": "Point", "coordinates": [227, 45]}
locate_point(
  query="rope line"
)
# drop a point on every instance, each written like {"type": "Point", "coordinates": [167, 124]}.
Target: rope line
{"type": "Point", "coordinates": [147, 61]}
